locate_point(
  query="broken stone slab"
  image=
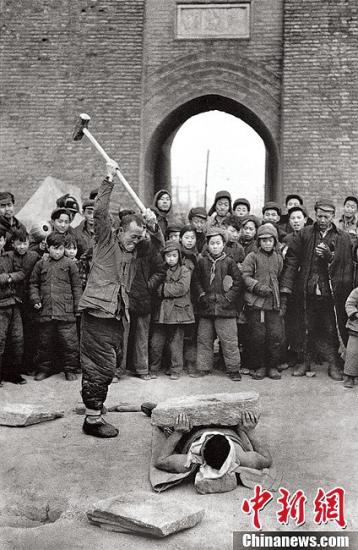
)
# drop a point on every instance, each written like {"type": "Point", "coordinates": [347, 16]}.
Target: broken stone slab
{"type": "Point", "coordinates": [144, 514]}
{"type": "Point", "coordinates": [217, 409]}
{"type": "Point", "coordinates": [21, 414]}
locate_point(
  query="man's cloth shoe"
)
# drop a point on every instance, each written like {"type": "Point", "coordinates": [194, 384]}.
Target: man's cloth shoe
{"type": "Point", "coordinates": [299, 370]}
{"type": "Point", "coordinates": [234, 376]}
{"type": "Point", "coordinates": [100, 428]}
{"type": "Point", "coordinates": [335, 373]}
{"type": "Point", "coordinates": [16, 379]}
{"type": "Point", "coordinates": [274, 374]}
{"type": "Point", "coordinates": [259, 374]}
{"type": "Point", "coordinates": [348, 382]}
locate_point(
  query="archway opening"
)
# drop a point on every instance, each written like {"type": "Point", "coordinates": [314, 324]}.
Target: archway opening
{"type": "Point", "coordinates": [158, 161]}
{"type": "Point", "coordinates": [213, 151]}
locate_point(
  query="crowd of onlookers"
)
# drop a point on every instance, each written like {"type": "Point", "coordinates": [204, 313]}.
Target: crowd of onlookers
{"type": "Point", "coordinates": [223, 289]}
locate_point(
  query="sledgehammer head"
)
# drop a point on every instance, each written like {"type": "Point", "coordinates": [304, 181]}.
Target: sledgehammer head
{"type": "Point", "coordinates": [81, 124]}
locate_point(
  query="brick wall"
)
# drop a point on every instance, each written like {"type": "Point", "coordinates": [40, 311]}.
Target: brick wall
{"type": "Point", "coordinates": [119, 61]}
{"type": "Point", "coordinates": [320, 98]}
{"type": "Point", "coordinates": [58, 59]}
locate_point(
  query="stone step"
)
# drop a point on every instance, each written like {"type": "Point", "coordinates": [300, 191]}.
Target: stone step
{"type": "Point", "coordinates": [144, 514]}
{"type": "Point", "coordinates": [25, 414]}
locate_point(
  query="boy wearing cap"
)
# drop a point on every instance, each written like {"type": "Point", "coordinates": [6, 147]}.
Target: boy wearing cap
{"type": "Point", "coordinates": [218, 287]}
{"type": "Point", "coordinates": [241, 208]}
{"type": "Point", "coordinates": [319, 267]}
{"type": "Point", "coordinates": [349, 221]}
{"type": "Point", "coordinates": [265, 305]}
{"type": "Point", "coordinates": [70, 203]}
{"type": "Point", "coordinates": [173, 312]}
{"type": "Point", "coordinates": [173, 231]}
{"type": "Point", "coordinates": [8, 222]}
{"type": "Point", "coordinates": [197, 218]}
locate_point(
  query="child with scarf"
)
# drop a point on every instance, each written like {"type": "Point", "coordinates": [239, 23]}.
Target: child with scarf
{"type": "Point", "coordinates": [264, 306]}
{"type": "Point", "coordinates": [172, 313]}
{"type": "Point", "coordinates": [218, 288]}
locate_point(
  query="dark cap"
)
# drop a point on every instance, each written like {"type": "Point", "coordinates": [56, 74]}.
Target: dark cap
{"type": "Point", "coordinates": [271, 205]}
{"type": "Point", "coordinates": [325, 204]}
{"type": "Point", "coordinates": [243, 201]}
{"type": "Point", "coordinates": [174, 226]}
{"type": "Point", "coordinates": [267, 230]}
{"type": "Point", "coordinates": [250, 218]}
{"type": "Point", "coordinates": [6, 196]}
{"type": "Point", "coordinates": [199, 211]}
{"type": "Point", "coordinates": [72, 204]}
{"type": "Point", "coordinates": [222, 195]}
{"type": "Point", "coordinates": [170, 246]}
{"type": "Point", "coordinates": [294, 196]}
{"type": "Point", "coordinates": [214, 231]}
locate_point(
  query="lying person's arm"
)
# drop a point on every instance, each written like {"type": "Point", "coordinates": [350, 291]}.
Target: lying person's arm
{"type": "Point", "coordinates": [260, 457]}
{"type": "Point", "coordinates": [168, 460]}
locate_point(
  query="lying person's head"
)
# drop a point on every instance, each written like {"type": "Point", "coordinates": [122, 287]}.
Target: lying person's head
{"type": "Point", "coordinates": [216, 450]}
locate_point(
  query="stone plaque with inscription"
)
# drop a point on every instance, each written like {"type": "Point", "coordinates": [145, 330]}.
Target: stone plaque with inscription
{"type": "Point", "coordinates": [198, 21]}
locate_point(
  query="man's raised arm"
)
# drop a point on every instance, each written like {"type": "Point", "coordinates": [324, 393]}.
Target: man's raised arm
{"type": "Point", "coordinates": [102, 219]}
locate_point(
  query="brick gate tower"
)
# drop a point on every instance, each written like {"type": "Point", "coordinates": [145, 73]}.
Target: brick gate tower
{"type": "Point", "coordinates": [141, 68]}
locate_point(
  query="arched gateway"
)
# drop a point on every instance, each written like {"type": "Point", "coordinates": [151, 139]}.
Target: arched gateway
{"type": "Point", "coordinates": [158, 159]}
{"type": "Point", "coordinates": [196, 84]}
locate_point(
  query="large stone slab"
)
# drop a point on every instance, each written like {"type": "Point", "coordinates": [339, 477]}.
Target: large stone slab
{"type": "Point", "coordinates": [217, 409]}
{"type": "Point", "coordinates": [21, 414]}
{"type": "Point", "coordinates": [144, 514]}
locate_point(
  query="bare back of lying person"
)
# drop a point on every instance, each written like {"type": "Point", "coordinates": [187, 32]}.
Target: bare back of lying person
{"type": "Point", "coordinates": [218, 451]}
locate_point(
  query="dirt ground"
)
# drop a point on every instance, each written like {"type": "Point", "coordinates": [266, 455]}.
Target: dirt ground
{"type": "Point", "coordinates": [51, 473]}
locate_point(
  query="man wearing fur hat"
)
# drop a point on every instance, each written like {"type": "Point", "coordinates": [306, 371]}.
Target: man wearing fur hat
{"type": "Point", "coordinates": [220, 209]}
{"type": "Point", "coordinates": [319, 266]}
{"type": "Point", "coordinates": [8, 222]}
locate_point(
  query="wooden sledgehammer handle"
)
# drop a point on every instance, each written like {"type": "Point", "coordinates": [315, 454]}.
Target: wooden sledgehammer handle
{"type": "Point", "coordinates": [121, 178]}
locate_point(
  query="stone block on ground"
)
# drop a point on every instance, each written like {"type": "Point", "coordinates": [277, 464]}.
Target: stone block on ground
{"type": "Point", "coordinates": [217, 409]}
{"type": "Point", "coordinates": [144, 514]}
{"type": "Point", "coordinates": [21, 414]}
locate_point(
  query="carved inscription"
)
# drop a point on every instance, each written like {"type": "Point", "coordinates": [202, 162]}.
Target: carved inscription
{"type": "Point", "coordinates": [231, 20]}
